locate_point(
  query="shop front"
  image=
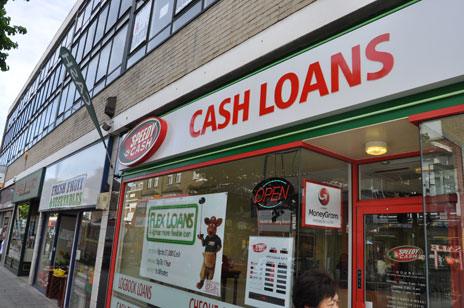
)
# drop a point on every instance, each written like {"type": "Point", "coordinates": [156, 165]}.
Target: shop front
{"type": "Point", "coordinates": [23, 230]}
{"type": "Point", "coordinates": [332, 159]}
{"type": "Point", "coordinates": [71, 223]}
{"type": "Point", "coordinates": [6, 215]}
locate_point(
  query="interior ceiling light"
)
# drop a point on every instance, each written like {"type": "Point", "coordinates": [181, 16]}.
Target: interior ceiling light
{"type": "Point", "coordinates": [376, 148]}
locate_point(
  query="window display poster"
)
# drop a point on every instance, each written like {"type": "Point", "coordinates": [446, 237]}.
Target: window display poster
{"type": "Point", "coordinates": [322, 206]}
{"type": "Point", "coordinates": [269, 272]}
{"type": "Point", "coordinates": [183, 241]}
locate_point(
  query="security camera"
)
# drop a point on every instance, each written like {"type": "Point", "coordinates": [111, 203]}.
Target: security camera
{"type": "Point", "coordinates": [106, 125]}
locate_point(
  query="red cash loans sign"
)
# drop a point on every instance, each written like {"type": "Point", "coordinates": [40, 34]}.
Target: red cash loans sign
{"type": "Point", "coordinates": [292, 88]}
{"type": "Point", "coordinates": [142, 141]}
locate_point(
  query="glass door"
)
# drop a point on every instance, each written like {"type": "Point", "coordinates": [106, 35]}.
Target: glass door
{"type": "Point", "coordinates": [391, 260]}
{"type": "Point", "coordinates": [45, 269]}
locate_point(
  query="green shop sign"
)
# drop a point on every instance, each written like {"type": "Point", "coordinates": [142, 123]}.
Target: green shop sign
{"type": "Point", "coordinates": [28, 187]}
{"type": "Point", "coordinates": [175, 224]}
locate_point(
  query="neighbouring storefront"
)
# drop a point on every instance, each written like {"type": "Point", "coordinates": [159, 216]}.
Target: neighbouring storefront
{"type": "Point", "coordinates": [23, 230]}
{"type": "Point", "coordinates": [71, 224]}
{"type": "Point", "coordinates": [6, 215]}
{"type": "Point", "coordinates": [345, 157]}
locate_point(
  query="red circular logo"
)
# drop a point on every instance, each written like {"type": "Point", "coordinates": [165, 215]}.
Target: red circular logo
{"type": "Point", "coordinates": [324, 196]}
{"type": "Point", "coordinates": [142, 141]}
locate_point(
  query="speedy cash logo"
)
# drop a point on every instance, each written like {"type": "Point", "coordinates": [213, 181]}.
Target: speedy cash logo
{"type": "Point", "coordinates": [142, 141]}
{"type": "Point", "coordinates": [406, 253]}
{"type": "Point", "coordinates": [259, 247]}
{"type": "Point", "coordinates": [324, 196]}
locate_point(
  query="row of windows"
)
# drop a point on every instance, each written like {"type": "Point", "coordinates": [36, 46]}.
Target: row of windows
{"type": "Point", "coordinates": [106, 38]}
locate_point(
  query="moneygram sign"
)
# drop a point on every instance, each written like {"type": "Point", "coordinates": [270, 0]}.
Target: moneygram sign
{"type": "Point", "coordinates": [322, 206]}
{"type": "Point", "coordinates": [172, 224]}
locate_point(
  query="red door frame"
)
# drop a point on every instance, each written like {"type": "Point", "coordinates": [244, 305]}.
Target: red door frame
{"type": "Point", "coordinates": [361, 208]}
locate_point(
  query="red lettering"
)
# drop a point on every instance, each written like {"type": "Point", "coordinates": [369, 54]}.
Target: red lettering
{"type": "Point", "coordinates": [267, 192]}
{"type": "Point", "coordinates": [385, 58]}
{"type": "Point", "coordinates": [276, 192]}
{"type": "Point", "coordinates": [210, 120]}
{"type": "Point", "coordinates": [315, 70]}
{"type": "Point", "coordinates": [259, 195]}
{"type": "Point", "coordinates": [285, 192]}
{"type": "Point", "coordinates": [224, 113]}
{"type": "Point", "coordinates": [244, 107]}
{"type": "Point", "coordinates": [294, 86]}
{"type": "Point", "coordinates": [194, 133]}
{"type": "Point", "coordinates": [353, 77]}
{"type": "Point", "coordinates": [263, 109]}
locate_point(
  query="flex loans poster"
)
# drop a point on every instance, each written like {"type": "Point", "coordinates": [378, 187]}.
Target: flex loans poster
{"type": "Point", "coordinates": [269, 272]}
{"type": "Point", "coordinates": [322, 206]}
{"type": "Point", "coordinates": [183, 242]}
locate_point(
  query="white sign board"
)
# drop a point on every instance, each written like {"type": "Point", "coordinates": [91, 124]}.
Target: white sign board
{"type": "Point", "coordinates": [74, 182]}
{"type": "Point", "coordinates": [159, 295]}
{"type": "Point", "coordinates": [269, 272]}
{"type": "Point", "coordinates": [377, 62]}
{"type": "Point", "coordinates": [322, 206]}
{"type": "Point", "coordinates": [183, 241]}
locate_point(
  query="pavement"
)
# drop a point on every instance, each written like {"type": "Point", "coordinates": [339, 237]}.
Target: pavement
{"type": "Point", "coordinates": [15, 292]}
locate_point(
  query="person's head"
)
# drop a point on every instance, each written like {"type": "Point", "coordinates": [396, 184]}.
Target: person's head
{"type": "Point", "coordinates": [315, 289]}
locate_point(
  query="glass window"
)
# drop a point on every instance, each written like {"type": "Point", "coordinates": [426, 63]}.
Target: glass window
{"type": "Point", "coordinates": [66, 229]}
{"type": "Point", "coordinates": [86, 255]}
{"type": "Point", "coordinates": [71, 96]}
{"type": "Point", "coordinates": [125, 5]}
{"type": "Point", "coordinates": [442, 144]}
{"type": "Point", "coordinates": [113, 14]}
{"type": "Point", "coordinates": [141, 26]}
{"type": "Point", "coordinates": [186, 17]}
{"type": "Point", "coordinates": [80, 51]}
{"type": "Point", "coordinates": [44, 271]}
{"type": "Point", "coordinates": [229, 250]}
{"type": "Point", "coordinates": [19, 230]}
{"type": "Point", "coordinates": [87, 12]}
{"type": "Point", "coordinates": [101, 24]}
{"type": "Point", "coordinates": [390, 179]}
{"type": "Point", "coordinates": [117, 51]}
{"type": "Point", "coordinates": [180, 4]}
{"type": "Point", "coordinates": [90, 36]}
{"type": "Point", "coordinates": [103, 62]}
{"type": "Point", "coordinates": [90, 78]}
{"type": "Point", "coordinates": [63, 99]}
{"type": "Point", "coordinates": [161, 16]}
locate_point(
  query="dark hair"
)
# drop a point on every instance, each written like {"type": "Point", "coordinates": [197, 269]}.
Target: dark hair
{"type": "Point", "coordinates": [312, 287]}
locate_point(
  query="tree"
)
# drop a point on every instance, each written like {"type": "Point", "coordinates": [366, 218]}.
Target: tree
{"type": "Point", "coordinates": [6, 31]}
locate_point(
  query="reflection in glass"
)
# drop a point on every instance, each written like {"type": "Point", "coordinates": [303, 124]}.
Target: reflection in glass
{"type": "Point", "coordinates": [86, 255]}
{"type": "Point", "coordinates": [442, 144]}
{"type": "Point", "coordinates": [19, 229]}
{"type": "Point", "coordinates": [394, 260]}
{"type": "Point", "coordinates": [45, 258]}
{"type": "Point", "coordinates": [325, 249]}
{"type": "Point", "coordinates": [390, 179]}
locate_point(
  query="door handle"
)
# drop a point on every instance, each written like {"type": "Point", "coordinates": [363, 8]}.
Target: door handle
{"type": "Point", "coordinates": [359, 278]}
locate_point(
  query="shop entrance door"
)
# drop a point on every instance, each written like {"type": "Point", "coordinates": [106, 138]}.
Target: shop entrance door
{"type": "Point", "coordinates": [390, 261]}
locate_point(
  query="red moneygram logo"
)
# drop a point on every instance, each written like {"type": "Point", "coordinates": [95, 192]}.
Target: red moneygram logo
{"type": "Point", "coordinates": [324, 196]}
{"type": "Point", "coordinates": [260, 247]}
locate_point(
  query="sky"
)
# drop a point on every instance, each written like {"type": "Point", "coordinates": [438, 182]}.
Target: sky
{"type": "Point", "coordinates": [42, 18]}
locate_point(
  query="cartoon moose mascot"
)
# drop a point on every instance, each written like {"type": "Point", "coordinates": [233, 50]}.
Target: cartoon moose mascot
{"type": "Point", "coordinates": [212, 244]}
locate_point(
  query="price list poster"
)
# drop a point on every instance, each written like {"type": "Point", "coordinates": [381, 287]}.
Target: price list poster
{"type": "Point", "coordinates": [269, 272]}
